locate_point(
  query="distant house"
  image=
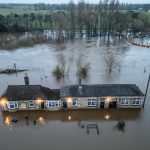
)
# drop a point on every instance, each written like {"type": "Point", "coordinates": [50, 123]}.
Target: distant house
{"type": "Point", "coordinates": [101, 96]}
{"type": "Point", "coordinates": [30, 97]}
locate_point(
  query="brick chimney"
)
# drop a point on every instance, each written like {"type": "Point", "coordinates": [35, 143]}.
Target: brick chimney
{"type": "Point", "coordinates": [26, 79]}
{"type": "Point", "coordinates": [80, 90]}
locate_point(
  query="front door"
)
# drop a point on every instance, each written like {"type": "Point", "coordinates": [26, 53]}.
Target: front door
{"type": "Point", "coordinates": [64, 104]}
{"type": "Point", "coordinates": [113, 104]}
{"type": "Point", "coordinates": [102, 104]}
{"type": "Point", "coordinates": [42, 105]}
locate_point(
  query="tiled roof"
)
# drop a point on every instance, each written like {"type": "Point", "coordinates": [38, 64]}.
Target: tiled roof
{"type": "Point", "coordinates": [30, 92]}
{"type": "Point", "coordinates": [100, 90]}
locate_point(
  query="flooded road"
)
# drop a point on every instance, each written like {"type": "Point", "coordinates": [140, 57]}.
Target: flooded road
{"type": "Point", "coordinates": [62, 130]}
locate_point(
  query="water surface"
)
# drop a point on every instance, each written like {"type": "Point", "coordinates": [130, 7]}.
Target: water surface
{"type": "Point", "coordinates": [62, 130]}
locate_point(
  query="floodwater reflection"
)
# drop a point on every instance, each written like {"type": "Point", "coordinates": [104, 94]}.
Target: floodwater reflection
{"type": "Point", "coordinates": [78, 116]}
{"type": "Point", "coordinates": [79, 129]}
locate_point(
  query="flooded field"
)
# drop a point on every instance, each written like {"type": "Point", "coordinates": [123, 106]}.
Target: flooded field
{"type": "Point", "coordinates": [63, 129]}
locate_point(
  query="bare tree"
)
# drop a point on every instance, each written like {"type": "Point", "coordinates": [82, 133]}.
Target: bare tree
{"type": "Point", "coordinates": [60, 69]}
{"type": "Point", "coordinates": [82, 68]}
{"type": "Point", "coordinates": [71, 19]}
{"type": "Point", "coordinates": [57, 72]}
{"type": "Point", "coordinates": [70, 60]}
{"type": "Point", "coordinates": [63, 67]}
{"type": "Point", "coordinates": [111, 61]}
{"type": "Point", "coordinates": [62, 63]}
{"type": "Point", "coordinates": [78, 64]}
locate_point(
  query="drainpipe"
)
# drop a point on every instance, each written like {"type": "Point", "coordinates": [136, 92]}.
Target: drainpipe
{"type": "Point", "coordinates": [146, 91]}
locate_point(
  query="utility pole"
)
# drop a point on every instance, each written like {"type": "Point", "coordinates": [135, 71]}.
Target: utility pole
{"type": "Point", "coordinates": [146, 90]}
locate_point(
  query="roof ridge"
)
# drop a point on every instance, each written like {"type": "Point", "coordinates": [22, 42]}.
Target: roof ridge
{"type": "Point", "coordinates": [98, 84]}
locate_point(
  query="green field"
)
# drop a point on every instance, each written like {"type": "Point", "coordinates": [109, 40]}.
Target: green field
{"type": "Point", "coordinates": [4, 11]}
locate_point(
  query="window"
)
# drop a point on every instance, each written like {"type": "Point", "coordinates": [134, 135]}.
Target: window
{"type": "Point", "coordinates": [119, 99]}
{"type": "Point", "coordinates": [91, 103]}
{"type": "Point", "coordinates": [136, 102]}
{"type": "Point", "coordinates": [53, 104]}
{"type": "Point", "coordinates": [31, 104]}
{"type": "Point", "coordinates": [13, 105]}
{"type": "Point", "coordinates": [124, 101]}
{"type": "Point", "coordinates": [74, 103]}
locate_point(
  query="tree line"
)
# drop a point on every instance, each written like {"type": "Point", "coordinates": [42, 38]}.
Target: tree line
{"type": "Point", "coordinates": [43, 6]}
{"type": "Point", "coordinates": [105, 18]}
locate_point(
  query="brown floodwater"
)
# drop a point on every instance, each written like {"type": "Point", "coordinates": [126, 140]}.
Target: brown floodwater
{"type": "Point", "coordinates": [68, 129]}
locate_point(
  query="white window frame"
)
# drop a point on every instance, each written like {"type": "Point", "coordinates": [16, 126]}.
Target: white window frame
{"type": "Point", "coordinates": [125, 102]}
{"type": "Point", "coordinates": [136, 102]}
{"type": "Point", "coordinates": [13, 103]}
{"type": "Point", "coordinates": [31, 104]}
{"type": "Point", "coordinates": [53, 103]}
{"type": "Point", "coordinates": [92, 103]}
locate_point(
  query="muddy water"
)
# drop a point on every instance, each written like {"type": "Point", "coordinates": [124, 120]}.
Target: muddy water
{"type": "Point", "coordinates": [68, 130]}
{"type": "Point", "coordinates": [63, 130]}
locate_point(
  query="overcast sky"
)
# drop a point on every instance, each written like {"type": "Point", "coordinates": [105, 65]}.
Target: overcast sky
{"type": "Point", "coordinates": [66, 1]}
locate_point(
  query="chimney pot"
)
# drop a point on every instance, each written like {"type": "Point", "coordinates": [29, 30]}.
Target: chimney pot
{"type": "Point", "coordinates": [26, 79]}
{"type": "Point", "coordinates": [80, 81]}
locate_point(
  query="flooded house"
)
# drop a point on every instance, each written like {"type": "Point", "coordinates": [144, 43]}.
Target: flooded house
{"type": "Point", "coordinates": [30, 97]}
{"type": "Point", "coordinates": [101, 96]}
{"type": "Point", "coordinates": [37, 97]}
